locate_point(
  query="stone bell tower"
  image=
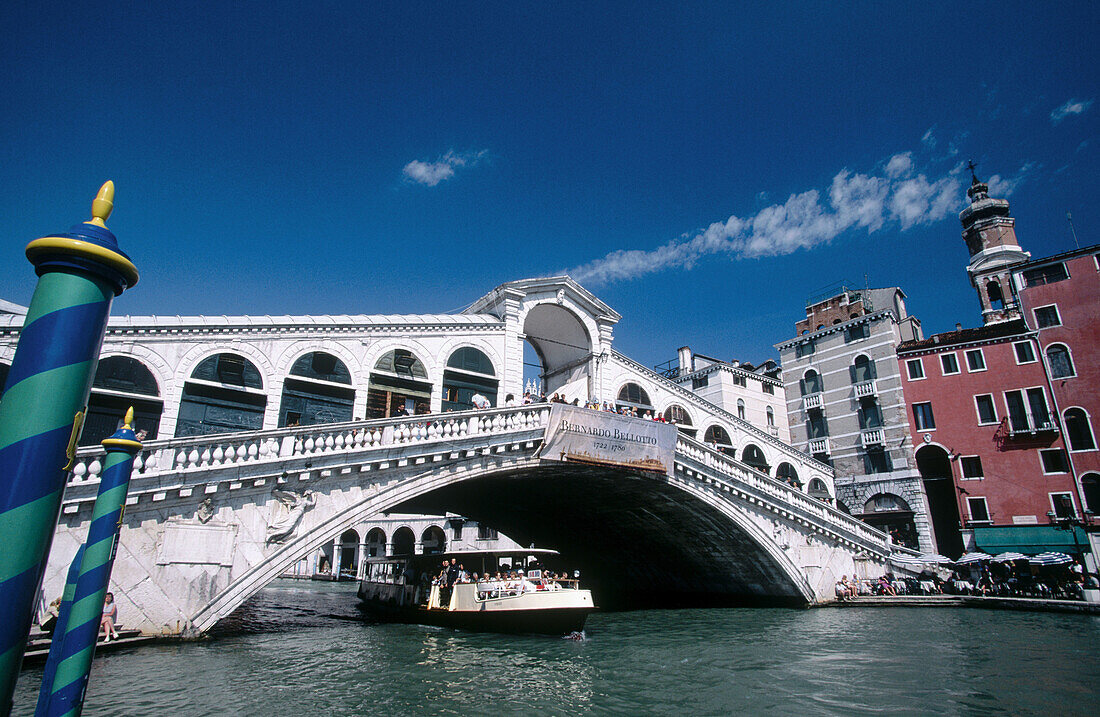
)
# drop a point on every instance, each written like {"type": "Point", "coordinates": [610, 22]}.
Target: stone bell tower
{"type": "Point", "coordinates": [990, 235]}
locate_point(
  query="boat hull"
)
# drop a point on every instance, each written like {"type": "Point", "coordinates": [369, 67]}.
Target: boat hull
{"type": "Point", "coordinates": [549, 621]}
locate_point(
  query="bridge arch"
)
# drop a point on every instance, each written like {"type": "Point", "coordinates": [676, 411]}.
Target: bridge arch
{"type": "Point", "coordinates": [667, 533]}
{"type": "Point", "coordinates": [563, 341]}
{"type": "Point", "coordinates": [120, 382]}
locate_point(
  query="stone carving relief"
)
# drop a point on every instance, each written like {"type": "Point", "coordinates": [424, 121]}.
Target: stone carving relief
{"type": "Point", "coordinates": [206, 511]}
{"type": "Point", "coordinates": [290, 511]}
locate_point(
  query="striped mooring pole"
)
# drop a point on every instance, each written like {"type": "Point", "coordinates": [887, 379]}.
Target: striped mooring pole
{"type": "Point", "coordinates": [59, 626]}
{"type": "Point", "coordinates": [80, 272]}
{"type": "Point", "coordinates": [78, 634]}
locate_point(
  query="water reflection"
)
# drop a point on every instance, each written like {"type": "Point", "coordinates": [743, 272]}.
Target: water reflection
{"type": "Point", "coordinates": [303, 648]}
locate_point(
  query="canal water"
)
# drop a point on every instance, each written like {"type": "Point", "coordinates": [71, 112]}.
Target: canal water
{"type": "Point", "coordinates": [303, 648]}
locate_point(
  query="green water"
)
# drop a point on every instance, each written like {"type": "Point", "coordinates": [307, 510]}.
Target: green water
{"type": "Point", "coordinates": [302, 648]}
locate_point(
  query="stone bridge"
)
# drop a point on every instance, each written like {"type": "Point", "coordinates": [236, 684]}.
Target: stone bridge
{"type": "Point", "coordinates": [212, 519]}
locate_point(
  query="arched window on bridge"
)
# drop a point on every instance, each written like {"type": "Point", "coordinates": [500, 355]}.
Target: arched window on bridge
{"type": "Point", "coordinates": [434, 540]}
{"type": "Point", "coordinates": [318, 390]}
{"type": "Point", "coordinates": [892, 515]}
{"type": "Point", "coordinates": [810, 383]}
{"type": "Point", "coordinates": [349, 553]}
{"type": "Point", "coordinates": [818, 489]}
{"type": "Point", "coordinates": [786, 473]}
{"type": "Point", "coordinates": [468, 371]}
{"type": "Point", "coordinates": [223, 395]}
{"type": "Point", "coordinates": [678, 415]}
{"type": "Point", "coordinates": [754, 457]}
{"type": "Point", "coordinates": [376, 543]}
{"type": "Point", "coordinates": [404, 542]}
{"type": "Point", "coordinates": [121, 382]}
{"type": "Point", "coordinates": [398, 380]}
{"type": "Point", "coordinates": [720, 439]}
{"type": "Point", "coordinates": [4, 368]}
{"type": "Point", "coordinates": [631, 395]}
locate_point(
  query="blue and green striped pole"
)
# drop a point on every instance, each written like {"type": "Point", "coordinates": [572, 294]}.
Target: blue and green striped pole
{"type": "Point", "coordinates": [80, 273]}
{"type": "Point", "coordinates": [59, 627]}
{"type": "Point", "coordinates": [82, 626]}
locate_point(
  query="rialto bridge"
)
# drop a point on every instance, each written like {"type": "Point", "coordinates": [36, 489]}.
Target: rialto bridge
{"type": "Point", "coordinates": [272, 436]}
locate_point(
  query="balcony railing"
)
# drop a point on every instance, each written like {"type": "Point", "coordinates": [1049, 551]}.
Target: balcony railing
{"type": "Point", "coordinates": [872, 437]}
{"type": "Point", "coordinates": [819, 445]}
{"type": "Point", "coordinates": [811, 401]}
{"type": "Point", "coordinates": [866, 388]}
{"type": "Point", "coordinates": [1043, 423]}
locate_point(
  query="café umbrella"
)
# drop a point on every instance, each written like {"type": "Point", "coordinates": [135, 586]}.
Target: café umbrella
{"type": "Point", "coordinates": [1051, 559]}
{"type": "Point", "coordinates": [973, 558]}
{"type": "Point", "coordinates": [1009, 557]}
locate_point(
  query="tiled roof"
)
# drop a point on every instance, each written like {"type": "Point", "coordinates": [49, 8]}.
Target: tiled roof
{"type": "Point", "coordinates": [966, 336]}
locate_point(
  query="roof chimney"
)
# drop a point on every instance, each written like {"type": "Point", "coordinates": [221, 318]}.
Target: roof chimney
{"type": "Point", "coordinates": [687, 364]}
{"type": "Point", "coordinates": [958, 327]}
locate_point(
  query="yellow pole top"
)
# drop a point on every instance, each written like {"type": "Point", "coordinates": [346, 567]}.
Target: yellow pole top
{"type": "Point", "coordinates": [102, 205]}
{"type": "Point", "coordinates": [129, 420]}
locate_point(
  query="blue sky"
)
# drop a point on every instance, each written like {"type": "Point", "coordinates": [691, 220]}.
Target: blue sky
{"type": "Point", "coordinates": [703, 168]}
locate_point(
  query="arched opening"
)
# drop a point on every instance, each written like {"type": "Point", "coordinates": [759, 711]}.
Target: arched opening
{"type": "Point", "coordinates": [1090, 485]}
{"type": "Point", "coordinates": [631, 395]}
{"type": "Point", "coordinates": [786, 473]}
{"type": "Point", "coordinates": [560, 352]}
{"type": "Point", "coordinates": [318, 390]}
{"type": "Point", "coordinates": [741, 408]}
{"type": "Point", "coordinates": [843, 507]}
{"type": "Point", "coordinates": [223, 395]}
{"type": "Point", "coordinates": [862, 369]}
{"type": "Point", "coordinates": [376, 543]}
{"type": "Point", "coordinates": [468, 371]}
{"type": "Point", "coordinates": [1061, 365]}
{"type": "Point", "coordinates": [810, 383]}
{"type": "Point", "coordinates": [720, 439]}
{"type": "Point", "coordinates": [678, 415]}
{"type": "Point", "coordinates": [434, 540]}
{"type": "Point", "coordinates": [398, 386]}
{"type": "Point", "coordinates": [996, 298]}
{"type": "Point", "coordinates": [770, 416]}
{"type": "Point", "coordinates": [404, 542]}
{"type": "Point", "coordinates": [1078, 430]}
{"type": "Point", "coordinates": [934, 466]}
{"type": "Point", "coordinates": [892, 515]}
{"type": "Point", "coordinates": [121, 382]}
{"type": "Point", "coordinates": [349, 553]}
{"type": "Point", "coordinates": [818, 489]}
{"type": "Point", "coordinates": [754, 457]}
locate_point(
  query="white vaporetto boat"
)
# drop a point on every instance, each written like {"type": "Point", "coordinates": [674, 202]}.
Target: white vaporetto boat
{"type": "Point", "coordinates": [402, 589]}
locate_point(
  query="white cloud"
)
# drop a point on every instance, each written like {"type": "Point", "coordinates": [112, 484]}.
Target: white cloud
{"type": "Point", "coordinates": [804, 221]}
{"type": "Point", "coordinates": [1004, 186]}
{"type": "Point", "coordinates": [929, 138]}
{"type": "Point", "coordinates": [1071, 107]}
{"type": "Point", "coordinates": [432, 173]}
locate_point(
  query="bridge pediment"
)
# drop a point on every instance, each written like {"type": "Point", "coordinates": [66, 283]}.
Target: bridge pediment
{"type": "Point", "coordinates": [558, 289]}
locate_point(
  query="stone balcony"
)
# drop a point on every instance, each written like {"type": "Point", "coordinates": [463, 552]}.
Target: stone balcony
{"type": "Point", "coordinates": [819, 445]}
{"type": "Point", "coordinates": [865, 389]}
{"type": "Point", "coordinates": [872, 437]}
{"type": "Point", "coordinates": [811, 401]}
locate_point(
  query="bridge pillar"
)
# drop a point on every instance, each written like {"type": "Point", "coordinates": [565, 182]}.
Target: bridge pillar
{"type": "Point", "coordinates": [418, 548]}
{"type": "Point", "coordinates": [389, 550]}
{"type": "Point", "coordinates": [337, 556]}
{"type": "Point", "coordinates": [361, 571]}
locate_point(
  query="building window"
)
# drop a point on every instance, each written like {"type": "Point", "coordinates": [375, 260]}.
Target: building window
{"type": "Point", "coordinates": [1078, 430]}
{"type": "Point", "coordinates": [972, 467]}
{"type": "Point", "coordinates": [869, 413]}
{"type": "Point", "coordinates": [1045, 275]}
{"type": "Point", "coordinates": [741, 409]}
{"type": "Point", "coordinates": [1047, 316]}
{"type": "Point", "coordinates": [856, 333]}
{"type": "Point", "coordinates": [987, 412]}
{"type": "Point", "coordinates": [915, 369]}
{"type": "Point", "coordinates": [1054, 460]}
{"type": "Point", "coordinates": [1024, 352]}
{"type": "Point", "coordinates": [804, 349]}
{"type": "Point", "coordinates": [876, 460]}
{"type": "Point", "coordinates": [922, 414]}
{"type": "Point", "coordinates": [771, 416]}
{"type": "Point", "coordinates": [863, 369]}
{"type": "Point", "coordinates": [767, 388]}
{"type": "Point", "coordinates": [811, 383]}
{"type": "Point", "coordinates": [1030, 414]}
{"type": "Point", "coordinates": [1063, 505]}
{"type": "Point", "coordinates": [975, 360]}
{"type": "Point", "coordinates": [816, 427]}
{"type": "Point", "coordinates": [979, 510]}
{"type": "Point", "coordinates": [1061, 365]}
{"type": "Point", "coordinates": [950, 364]}
{"type": "Point", "coordinates": [699, 382]}
{"type": "Point", "coordinates": [484, 532]}
{"type": "Point", "coordinates": [738, 380]}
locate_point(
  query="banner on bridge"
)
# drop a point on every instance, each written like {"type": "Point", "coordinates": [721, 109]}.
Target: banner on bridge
{"type": "Point", "coordinates": [579, 435]}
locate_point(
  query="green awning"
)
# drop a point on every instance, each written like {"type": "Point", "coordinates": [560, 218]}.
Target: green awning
{"type": "Point", "coordinates": [1030, 539]}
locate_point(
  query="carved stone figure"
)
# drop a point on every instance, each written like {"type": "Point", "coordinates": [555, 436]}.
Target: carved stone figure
{"type": "Point", "coordinates": [205, 511]}
{"type": "Point", "coordinates": [296, 504]}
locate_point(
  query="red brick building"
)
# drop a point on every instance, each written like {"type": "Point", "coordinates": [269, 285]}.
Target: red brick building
{"type": "Point", "coordinates": [1002, 416]}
